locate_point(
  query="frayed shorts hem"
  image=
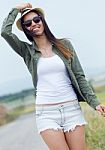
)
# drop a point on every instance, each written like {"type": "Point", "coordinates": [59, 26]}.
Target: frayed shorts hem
{"type": "Point", "coordinates": [70, 129]}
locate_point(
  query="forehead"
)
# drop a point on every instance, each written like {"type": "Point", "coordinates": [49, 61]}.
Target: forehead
{"type": "Point", "coordinates": [30, 15]}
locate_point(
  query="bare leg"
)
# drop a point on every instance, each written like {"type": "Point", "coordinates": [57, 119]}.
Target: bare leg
{"type": "Point", "coordinates": [55, 139]}
{"type": "Point", "coordinates": [76, 139]}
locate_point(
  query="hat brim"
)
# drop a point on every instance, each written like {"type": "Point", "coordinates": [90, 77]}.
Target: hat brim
{"type": "Point", "coordinates": [18, 22]}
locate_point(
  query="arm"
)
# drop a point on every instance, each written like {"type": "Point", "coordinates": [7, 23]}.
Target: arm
{"type": "Point", "coordinates": [6, 30]}
{"type": "Point", "coordinates": [81, 80]}
{"type": "Point", "coordinates": [84, 85]}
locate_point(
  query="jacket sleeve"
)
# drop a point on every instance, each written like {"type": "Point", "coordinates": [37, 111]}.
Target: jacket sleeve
{"type": "Point", "coordinates": [6, 33]}
{"type": "Point", "coordinates": [84, 86]}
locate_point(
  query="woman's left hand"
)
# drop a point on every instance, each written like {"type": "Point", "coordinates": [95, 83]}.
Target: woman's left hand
{"type": "Point", "coordinates": [101, 108]}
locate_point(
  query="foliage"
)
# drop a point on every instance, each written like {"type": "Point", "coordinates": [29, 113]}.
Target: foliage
{"type": "Point", "coordinates": [16, 96]}
{"type": "Point", "coordinates": [15, 113]}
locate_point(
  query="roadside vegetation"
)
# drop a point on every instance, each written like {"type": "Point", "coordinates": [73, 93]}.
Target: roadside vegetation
{"type": "Point", "coordinates": [20, 104]}
{"type": "Point", "coordinates": [15, 113]}
{"type": "Point", "coordinates": [14, 105]}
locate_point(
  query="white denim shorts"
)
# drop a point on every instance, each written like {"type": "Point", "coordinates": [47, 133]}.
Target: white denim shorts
{"type": "Point", "coordinates": [64, 116]}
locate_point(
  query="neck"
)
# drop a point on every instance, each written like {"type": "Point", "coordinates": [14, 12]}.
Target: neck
{"type": "Point", "coordinates": [42, 42]}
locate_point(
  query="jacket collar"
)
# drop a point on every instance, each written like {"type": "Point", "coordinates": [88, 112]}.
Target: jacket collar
{"type": "Point", "coordinates": [34, 46]}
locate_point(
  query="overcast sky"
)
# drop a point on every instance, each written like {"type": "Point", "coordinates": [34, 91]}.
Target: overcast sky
{"type": "Point", "coordinates": [83, 21]}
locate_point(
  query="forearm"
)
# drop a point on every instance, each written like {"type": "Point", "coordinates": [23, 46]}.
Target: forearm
{"type": "Point", "coordinates": [8, 22]}
{"type": "Point", "coordinates": [84, 86]}
{"type": "Point", "coordinates": [6, 33]}
{"type": "Point", "coordinates": [87, 91]}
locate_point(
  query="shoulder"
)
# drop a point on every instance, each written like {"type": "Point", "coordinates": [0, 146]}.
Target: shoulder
{"type": "Point", "coordinates": [65, 40]}
{"type": "Point", "coordinates": [27, 44]}
{"type": "Point", "coordinates": [67, 43]}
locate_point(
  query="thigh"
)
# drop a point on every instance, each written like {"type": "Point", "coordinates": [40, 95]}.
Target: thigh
{"type": "Point", "coordinates": [55, 139]}
{"type": "Point", "coordinates": [76, 138]}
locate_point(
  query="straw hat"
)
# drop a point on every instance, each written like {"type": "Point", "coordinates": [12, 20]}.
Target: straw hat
{"type": "Point", "coordinates": [26, 11]}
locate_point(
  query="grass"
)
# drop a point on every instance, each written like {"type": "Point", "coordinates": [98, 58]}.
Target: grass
{"type": "Point", "coordinates": [95, 130]}
{"type": "Point", "coordinates": [95, 134]}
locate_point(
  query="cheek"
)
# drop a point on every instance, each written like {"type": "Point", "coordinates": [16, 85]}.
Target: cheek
{"type": "Point", "coordinates": [42, 27]}
{"type": "Point", "coordinates": [28, 28]}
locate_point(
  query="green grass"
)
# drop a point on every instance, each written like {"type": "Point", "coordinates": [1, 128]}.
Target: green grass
{"type": "Point", "coordinates": [101, 97]}
{"type": "Point", "coordinates": [95, 133]}
{"type": "Point", "coordinates": [95, 130]}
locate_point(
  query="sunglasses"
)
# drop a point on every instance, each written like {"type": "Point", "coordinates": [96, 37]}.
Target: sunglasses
{"type": "Point", "coordinates": [28, 23]}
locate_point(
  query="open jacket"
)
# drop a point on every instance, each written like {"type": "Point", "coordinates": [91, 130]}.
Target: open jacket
{"type": "Point", "coordinates": [31, 54]}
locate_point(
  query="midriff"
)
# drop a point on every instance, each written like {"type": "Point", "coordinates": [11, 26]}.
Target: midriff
{"type": "Point", "coordinates": [53, 103]}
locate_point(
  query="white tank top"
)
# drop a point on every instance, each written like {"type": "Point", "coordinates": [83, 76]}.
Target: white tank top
{"type": "Point", "coordinates": [53, 85]}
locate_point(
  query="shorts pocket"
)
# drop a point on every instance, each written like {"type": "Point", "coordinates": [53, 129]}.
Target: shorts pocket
{"type": "Point", "coordinates": [39, 112]}
{"type": "Point", "coordinates": [77, 106]}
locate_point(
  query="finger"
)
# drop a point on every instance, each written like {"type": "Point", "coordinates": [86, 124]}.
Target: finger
{"type": "Point", "coordinates": [29, 5]}
{"type": "Point", "coordinates": [102, 109]}
{"type": "Point", "coordinates": [103, 114]}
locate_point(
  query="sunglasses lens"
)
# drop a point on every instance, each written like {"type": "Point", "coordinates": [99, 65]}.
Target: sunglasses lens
{"type": "Point", "coordinates": [27, 23]}
{"type": "Point", "coordinates": [36, 19]}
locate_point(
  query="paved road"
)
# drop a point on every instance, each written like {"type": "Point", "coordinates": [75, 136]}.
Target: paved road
{"type": "Point", "coordinates": [21, 135]}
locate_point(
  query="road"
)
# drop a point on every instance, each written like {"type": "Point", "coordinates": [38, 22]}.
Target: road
{"type": "Point", "coordinates": [21, 135]}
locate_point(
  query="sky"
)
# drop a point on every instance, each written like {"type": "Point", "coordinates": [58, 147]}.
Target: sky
{"type": "Point", "coordinates": [83, 21]}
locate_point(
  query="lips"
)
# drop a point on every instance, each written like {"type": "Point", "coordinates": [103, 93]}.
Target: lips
{"type": "Point", "coordinates": [35, 29]}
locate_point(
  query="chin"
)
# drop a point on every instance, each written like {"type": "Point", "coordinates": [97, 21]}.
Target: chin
{"type": "Point", "coordinates": [38, 34]}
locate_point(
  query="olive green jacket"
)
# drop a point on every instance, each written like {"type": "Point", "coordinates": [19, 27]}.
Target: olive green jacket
{"type": "Point", "coordinates": [31, 54]}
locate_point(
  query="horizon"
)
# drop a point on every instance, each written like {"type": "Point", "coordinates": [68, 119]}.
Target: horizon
{"type": "Point", "coordinates": [26, 83]}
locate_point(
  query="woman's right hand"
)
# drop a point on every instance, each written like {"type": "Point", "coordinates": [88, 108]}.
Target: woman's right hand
{"type": "Point", "coordinates": [21, 7]}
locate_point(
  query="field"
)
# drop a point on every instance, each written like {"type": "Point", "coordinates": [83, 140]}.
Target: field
{"type": "Point", "coordinates": [95, 129]}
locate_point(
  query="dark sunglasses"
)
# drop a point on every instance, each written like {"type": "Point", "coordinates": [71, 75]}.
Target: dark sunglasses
{"type": "Point", "coordinates": [28, 23]}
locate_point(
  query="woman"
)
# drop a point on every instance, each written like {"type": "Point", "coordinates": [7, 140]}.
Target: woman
{"type": "Point", "coordinates": [58, 79]}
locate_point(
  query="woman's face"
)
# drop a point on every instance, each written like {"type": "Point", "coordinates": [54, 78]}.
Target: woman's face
{"type": "Point", "coordinates": [33, 23]}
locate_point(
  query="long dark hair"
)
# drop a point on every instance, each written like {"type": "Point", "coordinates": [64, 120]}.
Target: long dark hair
{"type": "Point", "coordinates": [57, 42]}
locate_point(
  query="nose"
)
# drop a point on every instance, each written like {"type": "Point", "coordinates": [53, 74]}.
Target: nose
{"type": "Point", "coordinates": [33, 23]}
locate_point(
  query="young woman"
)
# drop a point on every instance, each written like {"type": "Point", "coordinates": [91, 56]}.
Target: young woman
{"type": "Point", "coordinates": [58, 79]}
